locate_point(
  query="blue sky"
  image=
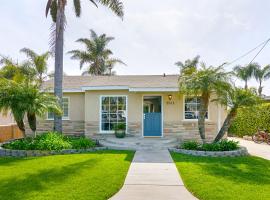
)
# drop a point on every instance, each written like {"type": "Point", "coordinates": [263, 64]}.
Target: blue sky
{"type": "Point", "coordinates": [153, 35]}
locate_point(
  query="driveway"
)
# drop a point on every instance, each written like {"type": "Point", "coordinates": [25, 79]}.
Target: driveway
{"type": "Point", "coordinates": [153, 175]}
{"type": "Point", "coordinates": [260, 150]}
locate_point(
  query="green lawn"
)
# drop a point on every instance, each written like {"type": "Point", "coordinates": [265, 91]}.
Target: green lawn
{"type": "Point", "coordinates": [240, 178]}
{"type": "Point", "coordinates": [96, 176]}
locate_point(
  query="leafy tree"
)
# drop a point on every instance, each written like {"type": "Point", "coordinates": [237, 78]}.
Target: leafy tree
{"type": "Point", "coordinates": [39, 63]}
{"type": "Point", "coordinates": [204, 83]}
{"type": "Point", "coordinates": [26, 99]}
{"type": "Point", "coordinates": [245, 73]}
{"type": "Point", "coordinates": [96, 55]}
{"type": "Point", "coordinates": [234, 98]}
{"type": "Point", "coordinates": [57, 11]}
{"type": "Point", "coordinates": [261, 74]}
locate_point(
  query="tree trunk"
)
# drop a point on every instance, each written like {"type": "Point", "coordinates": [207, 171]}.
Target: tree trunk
{"type": "Point", "coordinates": [58, 76]}
{"type": "Point", "coordinates": [246, 85]}
{"type": "Point", "coordinates": [21, 126]}
{"type": "Point", "coordinates": [202, 113]}
{"type": "Point", "coordinates": [260, 88]}
{"type": "Point", "coordinates": [32, 120]}
{"type": "Point", "coordinates": [226, 125]}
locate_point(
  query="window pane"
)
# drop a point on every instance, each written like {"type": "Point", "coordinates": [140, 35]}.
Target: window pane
{"type": "Point", "coordinates": [113, 100]}
{"type": "Point", "coordinates": [113, 117]}
{"type": "Point", "coordinates": [191, 107]}
{"type": "Point", "coordinates": [190, 100]}
{"type": "Point", "coordinates": [105, 100]}
{"type": "Point", "coordinates": [105, 118]}
{"type": "Point", "coordinates": [121, 116]}
{"type": "Point", "coordinates": [50, 115]}
{"type": "Point", "coordinates": [105, 126]}
{"type": "Point", "coordinates": [113, 108]}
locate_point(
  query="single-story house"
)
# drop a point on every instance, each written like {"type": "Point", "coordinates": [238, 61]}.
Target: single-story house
{"type": "Point", "coordinates": [149, 105]}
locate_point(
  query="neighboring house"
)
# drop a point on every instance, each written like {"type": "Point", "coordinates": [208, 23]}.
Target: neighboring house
{"type": "Point", "coordinates": [150, 106]}
{"type": "Point", "coordinates": [6, 119]}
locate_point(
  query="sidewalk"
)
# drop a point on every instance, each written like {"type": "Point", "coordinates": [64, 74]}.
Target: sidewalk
{"type": "Point", "coordinates": [153, 176]}
{"type": "Point", "coordinates": [260, 150]}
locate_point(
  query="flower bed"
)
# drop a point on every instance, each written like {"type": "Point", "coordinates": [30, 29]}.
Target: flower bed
{"type": "Point", "coordinates": [219, 149]}
{"type": "Point", "coordinates": [49, 143]}
{"type": "Point", "coordinates": [242, 151]}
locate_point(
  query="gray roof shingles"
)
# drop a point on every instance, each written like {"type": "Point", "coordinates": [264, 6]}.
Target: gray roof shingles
{"type": "Point", "coordinates": [133, 81]}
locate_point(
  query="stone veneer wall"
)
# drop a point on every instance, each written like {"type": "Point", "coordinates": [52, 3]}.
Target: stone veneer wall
{"type": "Point", "coordinates": [188, 130]}
{"type": "Point", "coordinates": [92, 128]}
{"type": "Point", "coordinates": [74, 128]}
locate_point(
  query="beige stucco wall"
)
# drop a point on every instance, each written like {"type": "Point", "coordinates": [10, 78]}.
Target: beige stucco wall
{"type": "Point", "coordinates": [6, 119]}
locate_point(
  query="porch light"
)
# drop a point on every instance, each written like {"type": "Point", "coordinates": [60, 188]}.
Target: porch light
{"type": "Point", "coordinates": [170, 97]}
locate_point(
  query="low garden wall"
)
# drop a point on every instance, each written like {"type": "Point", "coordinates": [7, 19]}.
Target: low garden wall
{"type": "Point", "coordinates": [242, 151]}
{"type": "Point", "coordinates": [38, 153]}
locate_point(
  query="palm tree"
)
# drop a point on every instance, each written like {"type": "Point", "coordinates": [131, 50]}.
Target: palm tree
{"type": "Point", "coordinates": [96, 55]}
{"type": "Point", "coordinates": [57, 11]}
{"type": "Point", "coordinates": [109, 65]}
{"type": "Point", "coordinates": [261, 74]}
{"type": "Point", "coordinates": [38, 62]}
{"type": "Point", "coordinates": [15, 71]}
{"type": "Point", "coordinates": [204, 83]}
{"type": "Point", "coordinates": [26, 99]}
{"type": "Point", "coordinates": [234, 98]}
{"type": "Point", "coordinates": [189, 66]}
{"type": "Point", "coordinates": [245, 73]}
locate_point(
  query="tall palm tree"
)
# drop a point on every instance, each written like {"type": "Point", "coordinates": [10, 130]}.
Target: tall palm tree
{"type": "Point", "coordinates": [204, 83]}
{"type": "Point", "coordinates": [57, 11]}
{"type": "Point", "coordinates": [189, 65]}
{"type": "Point", "coordinates": [38, 62]}
{"type": "Point", "coordinates": [234, 98]}
{"type": "Point", "coordinates": [96, 55]}
{"type": "Point", "coordinates": [261, 74]}
{"type": "Point", "coordinates": [26, 99]}
{"type": "Point", "coordinates": [245, 73]}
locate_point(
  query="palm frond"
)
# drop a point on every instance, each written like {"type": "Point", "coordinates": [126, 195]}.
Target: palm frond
{"type": "Point", "coordinates": [77, 7]}
{"type": "Point", "coordinates": [115, 5]}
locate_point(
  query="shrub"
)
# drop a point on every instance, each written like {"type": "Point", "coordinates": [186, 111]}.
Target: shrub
{"type": "Point", "coordinates": [248, 120]}
{"type": "Point", "coordinates": [50, 141]}
{"type": "Point", "coordinates": [82, 143]}
{"type": "Point", "coordinates": [223, 145]}
{"type": "Point", "coordinates": [190, 145]}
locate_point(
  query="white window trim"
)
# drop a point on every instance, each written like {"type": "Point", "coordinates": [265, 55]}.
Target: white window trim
{"type": "Point", "coordinates": [63, 118]}
{"type": "Point", "coordinates": [100, 113]}
{"type": "Point", "coordinates": [193, 120]}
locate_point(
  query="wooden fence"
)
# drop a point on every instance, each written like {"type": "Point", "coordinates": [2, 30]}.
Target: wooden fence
{"type": "Point", "coordinates": [8, 132]}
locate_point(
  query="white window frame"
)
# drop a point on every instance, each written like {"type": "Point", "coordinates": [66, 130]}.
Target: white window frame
{"type": "Point", "coordinates": [63, 118]}
{"type": "Point", "coordinates": [100, 113]}
{"type": "Point", "coordinates": [184, 116]}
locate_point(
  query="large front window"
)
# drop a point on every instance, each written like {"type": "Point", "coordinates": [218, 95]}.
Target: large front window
{"type": "Point", "coordinates": [192, 106]}
{"type": "Point", "coordinates": [113, 111]}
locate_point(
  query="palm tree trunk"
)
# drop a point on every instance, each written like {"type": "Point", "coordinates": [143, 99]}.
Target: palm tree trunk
{"type": "Point", "coordinates": [32, 120]}
{"type": "Point", "coordinates": [226, 125]}
{"type": "Point", "coordinates": [21, 126]}
{"type": "Point", "coordinates": [246, 85]}
{"type": "Point", "coordinates": [202, 114]}
{"type": "Point", "coordinates": [260, 88]}
{"type": "Point", "coordinates": [58, 76]}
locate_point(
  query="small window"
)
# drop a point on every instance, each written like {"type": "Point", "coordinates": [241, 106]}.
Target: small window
{"type": "Point", "coordinates": [65, 109]}
{"type": "Point", "coordinates": [192, 106]}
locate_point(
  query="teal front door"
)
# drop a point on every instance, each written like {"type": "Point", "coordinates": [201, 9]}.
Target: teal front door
{"type": "Point", "coordinates": [152, 116]}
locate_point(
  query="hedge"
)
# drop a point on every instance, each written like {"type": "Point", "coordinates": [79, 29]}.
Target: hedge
{"type": "Point", "coordinates": [248, 120]}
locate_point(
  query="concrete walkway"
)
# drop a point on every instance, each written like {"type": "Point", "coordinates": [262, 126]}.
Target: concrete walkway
{"type": "Point", "coordinates": [260, 150]}
{"type": "Point", "coordinates": [153, 176]}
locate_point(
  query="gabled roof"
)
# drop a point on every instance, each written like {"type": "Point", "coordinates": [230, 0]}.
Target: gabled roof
{"type": "Point", "coordinates": [119, 82]}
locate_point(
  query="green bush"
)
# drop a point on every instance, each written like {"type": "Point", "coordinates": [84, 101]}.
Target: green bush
{"type": "Point", "coordinates": [248, 120]}
{"type": "Point", "coordinates": [190, 145]}
{"type": "Point", "coordinates": [82, 143]}
{"type": "Point", "coordinates": [50, 141]}
{"type": "Point", "coordinates": [223, 145]}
